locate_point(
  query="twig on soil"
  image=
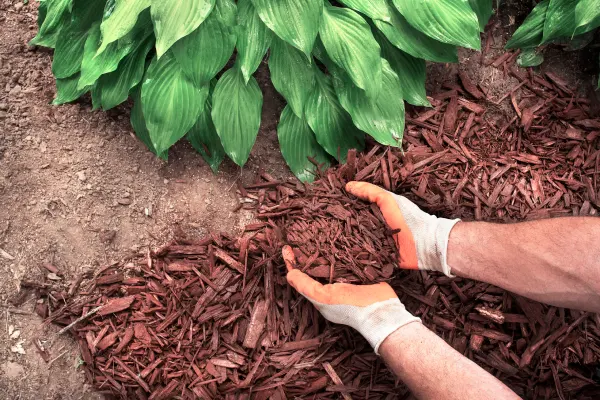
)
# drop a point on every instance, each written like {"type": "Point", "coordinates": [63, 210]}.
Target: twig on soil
{"type": "Point", "coordinates": [78, 320]}
{"type": "Point", "coordinates": [57, 357]}
{"type": "Point", "coordinates": [17, 311]}
{"type": "Point", "coordinates": [4, 254]}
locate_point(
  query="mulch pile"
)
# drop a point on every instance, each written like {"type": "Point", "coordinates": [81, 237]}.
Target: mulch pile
{"type": "Point", "coordinates": [335, 236]}
{"type": "Point", "coordinates": [215, 318]}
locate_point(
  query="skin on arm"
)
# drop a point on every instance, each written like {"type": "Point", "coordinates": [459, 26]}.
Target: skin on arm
{"type": "Point", "coordinates": [429, 367]}
{"type": "Point", "coordinates": [555, 261]}
{"type": "Point", "coordinates": [433, 370]}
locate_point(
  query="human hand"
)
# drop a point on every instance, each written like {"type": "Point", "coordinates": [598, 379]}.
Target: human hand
{"type": "Point", "coordinates": [423, 238]}
{"type": "Point", "coordinates": [373, 310]}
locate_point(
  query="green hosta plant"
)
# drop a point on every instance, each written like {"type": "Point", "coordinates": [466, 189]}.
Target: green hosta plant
{"type": "Point", "coordinates": [345, 68]}
{"type": "Point", "coordinates": [569, 22]}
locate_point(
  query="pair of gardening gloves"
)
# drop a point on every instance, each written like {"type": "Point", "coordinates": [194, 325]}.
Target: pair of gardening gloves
{"type": "Point", "coordinates": [375, 310]}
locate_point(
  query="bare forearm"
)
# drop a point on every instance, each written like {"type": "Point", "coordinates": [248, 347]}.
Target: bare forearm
{"type": "Point", "coordinates": [439, 372]}
{"type": "Point", "coordinates": [555, 261]}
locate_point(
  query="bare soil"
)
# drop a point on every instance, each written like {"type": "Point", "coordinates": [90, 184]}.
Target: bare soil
{"type": "Point", "coordinates": [78, 190]}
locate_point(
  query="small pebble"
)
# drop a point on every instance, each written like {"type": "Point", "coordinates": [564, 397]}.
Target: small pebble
{"type": "Point", "coordinates": [15, 90]}
{"type": "Point", "coordinates": [52, 276]}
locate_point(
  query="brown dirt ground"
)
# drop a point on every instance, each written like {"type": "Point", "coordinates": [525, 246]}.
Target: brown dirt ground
{"type": "Point", "coordinates": [76, 187]}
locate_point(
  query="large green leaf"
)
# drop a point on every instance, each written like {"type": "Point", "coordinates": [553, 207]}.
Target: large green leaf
{"type": "Point", "coordinates": [88, 65]}
{"type": "Point", "coordinates": [560, 20]}
{"type": "Point", "coordinates": [320, 54]}
{"type": "Point", "coordinates": [383, 117]}
{"type": "Point", "coordinates": [531, 32]}
{"type": "Point", "coordinates": [120, 19]}
{"type": "Point", "coordinates": [587, 15]}
{"type": "Point", "coordinates": [85, 15]}
{"type": "Point", "coordinates": [67, 91]}
{"type": "Point", "coordinates": [226, 12]}
{"type": "Point", "coordinates": [176, 19]}
{"type": "Point", "coordinates": [204, 52]}
{"type": "Point", "coordinates": [295, 21]}
{"type": "Point", "coordinates": [139, 125]}
{"type": "Point", "coordinates": [449, 21]}
{"type": "Point", "coordinates": [254, 39]}
{"type": "Point", "coordinates": [530, 58]}
{"type": "Point", "coordinates": [236, 113]}
{"type": "Point", "coordinates": [115, 86]}
{"type": "Point", "coordinates": [41, 17]}
{"type": "Point", "coordinates": [69, 52]}
{"type": "Point", "coordinates": [410, 70]}
{"type": "Point", "coordinates": [204, 138]}
{"type": "Point", "coordinates": [412, 41]}
{"type": "Point", "coordinates": [484, 10]}
{"type": "Point", "coordinates": [96, 93]}
{"type": "Point", "coordinates": [348, 40]}
{"type": "Point", "coordinates": [331, 124]}
{"type": "Point", "coordinates": [42, 12]}
{"type": "Point", "coordinates": [55, 13]}
{"type": "Point", "coordinates": [292, 74]}
{"type": "Point", "coordinates": [170, 101]}
{"type": "Point", "coordinates": [298, 142]}
{"type": "Point", "coordinates": [94, 65]}
{"type": "Point", "coordinates": [374, 9]}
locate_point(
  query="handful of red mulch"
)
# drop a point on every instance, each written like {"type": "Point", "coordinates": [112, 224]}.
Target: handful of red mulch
{"type": "Point", "coordinates": [336, 237]}
{"type": "Point", "coordinates": [215, 318]}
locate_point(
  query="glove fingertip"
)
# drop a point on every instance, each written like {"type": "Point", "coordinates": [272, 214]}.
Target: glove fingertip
{"type": "Point", "coordinates": [298, 279]}
{"type": "Point", "coordinates": [306, 286]}
{"type": "Point", "coordinates": [351, 186]}
{"type": "Point", "coordinates": [292, 276]}
{"type": "Point", "coordinates": [289, 257]}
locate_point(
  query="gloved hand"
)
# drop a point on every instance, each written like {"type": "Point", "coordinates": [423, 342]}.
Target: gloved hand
{"type": "Point", "coordinates": [423, 238]}
{"type": "Point", "coordinates": [373, 310]}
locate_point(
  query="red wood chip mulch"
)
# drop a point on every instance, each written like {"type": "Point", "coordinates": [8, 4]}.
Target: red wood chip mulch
{"type": "Point", "coordinates": [215, 318]}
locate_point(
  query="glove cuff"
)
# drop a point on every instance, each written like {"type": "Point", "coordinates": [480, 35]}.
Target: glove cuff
{"type": "Point", "coordinates": [375, 322]}
{"type": "Point", "coordinates": [442, 238]}
{"type": "Point", "coordinates": [383, 319]}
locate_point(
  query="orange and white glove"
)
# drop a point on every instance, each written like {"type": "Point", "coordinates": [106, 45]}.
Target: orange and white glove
{"type": "Point", "coordinates": [373, 310]}
{"type": "Point", "coordinates": [423, 238]}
